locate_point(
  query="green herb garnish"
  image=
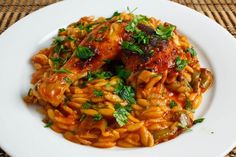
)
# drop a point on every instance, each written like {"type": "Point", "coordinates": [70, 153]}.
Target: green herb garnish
{"type": "Point", "coordinates": [56, 61]}
{"type": "Point", "coordinates": [173, 104]}
{"type": "Point", "coordinates": [48, 125]}
{"type": "Point", "coordinates": [86, 105]}
{"type": "Point", "coordinates": [103, 29]}
{"type": "Point", "coordinates": [99, 75]}
{"type": "Point", "coordinates": [131, 27]}
{"type": "Point", "coordinates": [70, 38]}
{"type": "Point", "coordinates": [61, 30]}
{"type": "Point", "coordinates": [131, 11]}
{"type": "Point", "coordinates": [122, 73]}
{"type": "Point", "coordinates": [121, 115]}
{"type": "Point", "coordinates": [132, 47]}
{"type": "Point", "coordinates": [97, 92]}
{"type": "Point", "coordinates": [180, 64]}
{"type": "Point", "coordinates": [116, 13]}
{"type": "Point", "coordinates": [68, 80]}
{"type": "Point", "coordinates": [165, 32]}
{"type": "Point", "coordinates": [97, 117]}
{"type": "Point", "coordinates": [83, 53]}
{"type": "Point", "coordinates": [62, 70]}
{"type": "Point", "coordinates": [58, 42]}
{"type": "Point", "coordinates": [140, 37]}
{"type": "Point", "coordinates": [125, 92]}
{"type": "Point", "coordinates": [188, 105]}
{"type": "Point", "coordinates": [199, 120]}
{"type": "Point", "coordinates": [192, 51]}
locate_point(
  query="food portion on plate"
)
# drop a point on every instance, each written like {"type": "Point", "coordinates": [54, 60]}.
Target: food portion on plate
{"type": "Point", "coordinates": [128, 81]}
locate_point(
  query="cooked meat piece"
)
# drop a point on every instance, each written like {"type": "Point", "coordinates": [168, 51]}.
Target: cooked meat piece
{"type": "Point", "coordinates": [109, 34]}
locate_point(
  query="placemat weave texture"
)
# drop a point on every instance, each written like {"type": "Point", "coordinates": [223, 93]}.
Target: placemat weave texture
{"type": "Point", "coordinates": [222, 11]}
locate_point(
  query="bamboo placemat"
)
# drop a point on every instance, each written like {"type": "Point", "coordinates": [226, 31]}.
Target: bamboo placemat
{"type": "Point", "coordinates": [222, 11]}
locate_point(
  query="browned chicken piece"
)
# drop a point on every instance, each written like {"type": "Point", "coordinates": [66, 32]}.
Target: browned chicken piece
{"type": "Point", "coordinates": [159, 55]}
{"type": "Point", "coordinates": [110, 35]}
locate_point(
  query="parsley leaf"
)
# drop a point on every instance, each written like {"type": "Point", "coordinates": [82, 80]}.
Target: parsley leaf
{"type": "Point", "coordinates": [131, 11]}
{"type": "Point", "coordinates": [125, 92]}
{"type": "Point", "coordinates": [180, 63]}
{"type": "Point", "coordinates": [122, 73]}
{"type": "Point", "coordinates": [188, 105]}
{"type": "Point", "coordinates": [58, 42]}
{"type": "Point", "coordinates": [199, 120]}
{"type": "Point", "coordinates": [83, 53]}
{"type": "Point", "coordinates": [56, 61]}
{"type": "Point", "coordinates": [48, 125]}
{"type": "Point", "coordinates": [103, 29]}
{"type": "Point", "coordinates": [165, 32]}
{"type": "Point", "coordinates": [68, 80]}
{"type": "Point", "coordinates": [99, 75]}
{"type": "Point", "coordinates": [116, 13]}
{"type": "Point", "coordinates": [132, 47]}
{"type": "Point", "coordinates": [97, 117]}
{"type": "Point", "coordinates": [61, 30]}
{"type": "Point", "coordinates": [86, 105]}
{"type": "Point", "coordinates": [141, 37]}
{"type": "Point", "coordinates": [97, 92]}
{"type": "Point", "coordinates": [62, 70]}
{"type": "Point", "coordinates": [121, 115]}
{"type": "Point", "coordinates": [131, 27]}
{"type": "Point", "coordinates": [70, 38]}
{"type": "Point", "coordinates": [192, 51]}
{"type": "Point", "coordinates": [173, 104]}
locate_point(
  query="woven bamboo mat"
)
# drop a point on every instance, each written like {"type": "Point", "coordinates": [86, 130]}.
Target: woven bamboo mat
{"type": "Point", "coordinates": [222, 11]}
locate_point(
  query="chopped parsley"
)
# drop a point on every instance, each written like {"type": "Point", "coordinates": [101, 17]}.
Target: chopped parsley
{"type": "Point", "coordinates": [55, 60]}
{"type": "Point", "coordinates": [70, 38]}
{"type": "Point", "coordinates": [188, 105]}
{"type": "Point", "coordinates": [99, 75]}
{"type": "Point", "coordinates": [83, 53]}
{"type": "Point", "coordinates": [132, 47]}
{"type": "Point", "coordinates": [48, 125]}
{"type": "Point", "coordinates": [131, 11]}
{"type": "Point", "coordinates": [199, 120]}
{"type": "Point", "coordinates": [141, 37]}
{"type": "Point", "coordinates": [62, 70]}
{"type": "Point", "coordinates": [86, 105]}
{"type": "Point", "coordinates": [125, 92]}
{"type": "Point", "coordinates": [116, 13]}
{"type": "Point", "coordinates": [192, 51]}
{"type": "Point", "coordinates": [180, 64]}
{"type": "Point", "coordinates": [58, 42]}
{"type": "Point", "coordinates": [103, 29]}
{"type": "Point", "coordinates": [87, 28]}
{"type": "Point", "coordinates": [61, 30]}
{"type": "Point", "coordinates": [122, 73]}
{"type": "Point", "coordinates": [97, 92]}
{"type": "Point", "coordinates": [173, 104]}
{"type": "Point", "coordinates": [121, 115]}
{"type": "Point", "coordinates": [97, 117]}
{"type": "Point", "coordinates": [131, 27]}
{"type": "Point", "coordinates": [165, 32]}
{"type": "Point", "coordinates": [68, 80]}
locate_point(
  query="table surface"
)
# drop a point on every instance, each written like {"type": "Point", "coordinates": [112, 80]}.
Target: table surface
{"type": "Point", "coordinates": [222, 11]}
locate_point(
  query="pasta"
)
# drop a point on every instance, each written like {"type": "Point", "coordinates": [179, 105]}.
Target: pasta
{"type": "Point", "coordinates": [143, 94]}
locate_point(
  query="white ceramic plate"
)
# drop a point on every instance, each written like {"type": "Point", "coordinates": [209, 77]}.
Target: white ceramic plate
{"type": "Point", "coordinates": [21, 130]}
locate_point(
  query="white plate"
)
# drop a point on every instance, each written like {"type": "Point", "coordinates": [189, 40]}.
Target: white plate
{"type": "Point", "coordinates": [21, 130]}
